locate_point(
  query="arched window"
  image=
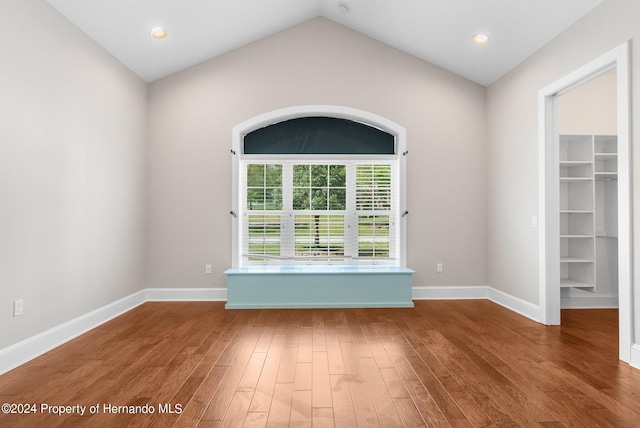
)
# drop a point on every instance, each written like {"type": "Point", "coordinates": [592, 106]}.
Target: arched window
{"type": "Point", "coordinates": [318, 188]}
{"type": "Point", "coordinates": [319, 136]}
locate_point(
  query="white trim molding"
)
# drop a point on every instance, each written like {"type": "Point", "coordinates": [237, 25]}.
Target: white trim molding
{"type": "Point", "coordinates": [600, 301]}
{"type": "Point", "coordinates": [508, 301]}
{"type": "Point", "coordinates": [21, 352]}
{"type": "Point", "coordinates": [514, 304]}
{"type": "Point", "coordinates": [186, 294]}
{"type": "Point", "coordinates": [450, 293]}
{"type": "Point", "coordinates": [28, 349]}
{"type": "Point", "coordinates": [635, 356]}
{"type": "Point", "coordinates": [548, 192]}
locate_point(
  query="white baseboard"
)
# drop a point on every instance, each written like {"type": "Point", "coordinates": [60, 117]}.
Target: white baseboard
{"type": "Point", "coordinates": [589, 302]}
{"type": "Point", "coordinates": [15, 355]}
{"type": "Point", "coordinates": [18, 354]}
{"type": "Point", "coordinates": [28, 349]}
{"type": "Point", "coordinates": [635, 356]}
{"type": "Point", "coordinates": [512, 303]}
{"type": "Point", "coordinates": [186, 294]}
{"type": "Point", "coordinates": [449, 293]}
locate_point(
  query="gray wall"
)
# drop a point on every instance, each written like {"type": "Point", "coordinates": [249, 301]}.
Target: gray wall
{"type": "Point", "coordinates": [72, 172]}
{"type": "Point", "coordinates": [512, 161]}
{"type": "Point", "coordinates": [317, 62]}
{"type": "Point", "coordinates": [590, 108]}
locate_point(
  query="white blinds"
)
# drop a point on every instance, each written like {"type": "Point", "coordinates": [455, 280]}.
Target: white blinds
{"type": "Point", "coordinates": [373, 187]}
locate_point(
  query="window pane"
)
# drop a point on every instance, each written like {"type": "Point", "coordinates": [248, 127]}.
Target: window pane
{"type": "Point", "coordinates": [301, 200]}
{"type": "Point", "coordinates": [319, 236]}
{"type": "Point", "coordinates": [263, 236]}
{"type": "Point", "coordinates": [264, 187]}
{"type": "Point", "coordinates": [319, 135]}
{"type": "Point", "coordinates": [337, 175]}
{"type": "Point", "coordinates": [373, 187]}
{"type": "Point", "coordinates": [255, 199]}
{"type": "Point", "coordinates": [273, 175]}
{"type": "Point", "coordinates": [273, 199]}
{"type": "Point", "coordinates": [319, 199]}
{"type": "Point", "coordinates": [255, 175]}
{"type": "Point", "coordinates": [319, 175]}
{"type": "Point", "coordinates": [301, 176]}
{"type": "Point", "coordinates": [337, 199]}
{"type": "Point", "coordinates": [324, 188]}
{"type": "Point", "coordinates": [373, 236]}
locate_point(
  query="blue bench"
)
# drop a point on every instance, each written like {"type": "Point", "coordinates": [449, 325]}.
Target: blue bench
{"type": "Point", "coordinates": [319, 286]}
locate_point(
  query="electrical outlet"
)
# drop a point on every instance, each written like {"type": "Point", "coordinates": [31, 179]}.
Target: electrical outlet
{"type": "Point", "coordinates": [18, 307]}
{"type": "Point", "coordinates": [207, 268]}
{"type": "Point", "coordinates": [439, 267]}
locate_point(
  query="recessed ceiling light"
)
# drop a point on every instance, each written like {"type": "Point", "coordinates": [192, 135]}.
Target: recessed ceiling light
{"type": "Point", "coordinates": [159, 33]}
{"type": "Point", "coordinates": [481, 39]}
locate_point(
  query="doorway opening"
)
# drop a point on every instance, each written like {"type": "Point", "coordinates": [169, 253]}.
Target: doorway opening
{"type": "Point", "coordinates": [552, 152]}
{"type": "Point", "coordinates": [588, 181]}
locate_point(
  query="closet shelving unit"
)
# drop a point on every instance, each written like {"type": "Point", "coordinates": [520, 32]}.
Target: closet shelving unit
{"type": "Point", "coordinates": [586, 162]}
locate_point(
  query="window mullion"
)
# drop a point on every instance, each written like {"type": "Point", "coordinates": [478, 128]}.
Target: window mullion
{"type": "Point", "coordinates": [394, 214]}
{"type": "Point", "coordinates": [242, 214]}
{"type": "Point", "coordinates": [351, 218]}
{"type": "Point", "coordinates": [287, 218]}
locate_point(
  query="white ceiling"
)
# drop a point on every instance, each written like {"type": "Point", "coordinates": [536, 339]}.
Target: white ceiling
{"type": "Point", "coordinates": [437, 31]}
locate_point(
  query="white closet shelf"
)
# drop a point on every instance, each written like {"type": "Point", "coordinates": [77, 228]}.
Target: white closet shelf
{"type": "Point", "coordinates": [606, 175]}
{"type": "Point", "coordinates": [586, 175]}
{"type": "Point", "coordinates": [605, 156]}
{"type": "Point", "coordinates": [569, 163]}
{"type": "Point", "coordinates": [567, 283]}
{"type": "Point", "coordinates": [566, 179]}
{"type": "Point", "coordinates": [574, 260]}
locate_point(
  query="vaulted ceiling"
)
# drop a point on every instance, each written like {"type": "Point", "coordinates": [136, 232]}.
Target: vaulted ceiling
{"type": "Point", "coordinates": [437, 31]}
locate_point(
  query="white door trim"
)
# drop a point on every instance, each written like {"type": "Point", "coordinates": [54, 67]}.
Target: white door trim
{"type": "Point", "coordinates": [617, 58]}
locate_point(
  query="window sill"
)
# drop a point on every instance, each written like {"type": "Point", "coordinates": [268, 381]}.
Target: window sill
{"type": "Point", "coordinates": [318, 269]}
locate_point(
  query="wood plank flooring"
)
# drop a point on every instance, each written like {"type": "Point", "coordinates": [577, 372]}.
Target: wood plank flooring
{"type": "Point", "coordinates": [442, 364]}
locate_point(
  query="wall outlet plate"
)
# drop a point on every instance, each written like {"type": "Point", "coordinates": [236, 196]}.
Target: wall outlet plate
{"type": "Point", "coordinates": [18, 307]}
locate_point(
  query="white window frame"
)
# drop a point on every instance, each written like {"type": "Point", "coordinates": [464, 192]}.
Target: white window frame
{"type": "Point", "coordinates": [239, 159]}
{"type": "Point", "coordinates": [351, 215]}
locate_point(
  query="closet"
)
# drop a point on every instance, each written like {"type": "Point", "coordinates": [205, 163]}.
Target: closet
{"type": "Point", "coordinates": [588, 213]}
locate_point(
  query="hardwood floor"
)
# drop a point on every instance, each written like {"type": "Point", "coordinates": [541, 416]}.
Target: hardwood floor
{"type": "Point", "coordinates": [443, 363]}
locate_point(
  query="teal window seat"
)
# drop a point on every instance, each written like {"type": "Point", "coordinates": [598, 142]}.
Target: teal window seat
{"type": "Point", "coordinates": [319, 286]}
